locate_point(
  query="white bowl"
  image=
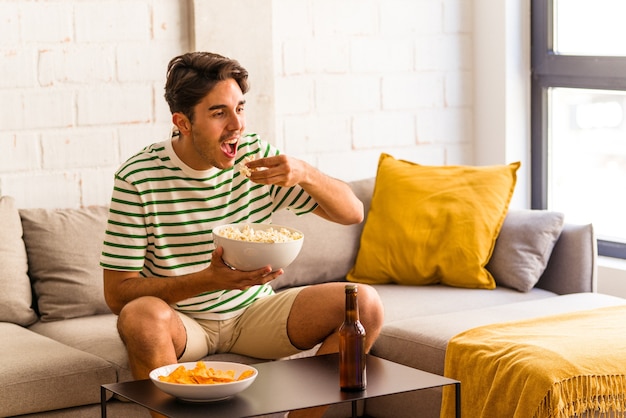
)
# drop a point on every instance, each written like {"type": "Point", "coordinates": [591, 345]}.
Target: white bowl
{"type": "Point", "coordinates": [248, 255]}
{"type": "Point", "coordinates": [203, 392]}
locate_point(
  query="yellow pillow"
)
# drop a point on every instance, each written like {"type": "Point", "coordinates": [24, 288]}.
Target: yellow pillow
{"type": "Point", "coordinates": [430, 225]}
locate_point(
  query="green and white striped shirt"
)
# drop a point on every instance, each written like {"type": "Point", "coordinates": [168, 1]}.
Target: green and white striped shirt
{"type": "Point", "coordinates": [163, 213]}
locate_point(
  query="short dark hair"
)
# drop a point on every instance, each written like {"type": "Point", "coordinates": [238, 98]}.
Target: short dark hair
{"type": "Point", "coordinates": [191, 76]}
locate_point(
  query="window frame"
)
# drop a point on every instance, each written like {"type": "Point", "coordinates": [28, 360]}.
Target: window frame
{"type": "Point", "coordinates": [550, 69]}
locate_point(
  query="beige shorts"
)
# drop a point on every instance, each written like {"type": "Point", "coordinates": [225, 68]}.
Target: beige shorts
{"type": "Point", "coordinates": [261, 331]}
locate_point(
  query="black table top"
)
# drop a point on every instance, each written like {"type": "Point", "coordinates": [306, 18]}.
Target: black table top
{"type": "Point", "coordinates": [284, 386]}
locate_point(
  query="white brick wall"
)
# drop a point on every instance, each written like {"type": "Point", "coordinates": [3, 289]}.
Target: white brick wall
{"type": "Point", "coordinates": [356, 78]}
{"type": "Point", "coordinates": [82, 89]}
{"type": "Point", "coordinates": [338, 82]}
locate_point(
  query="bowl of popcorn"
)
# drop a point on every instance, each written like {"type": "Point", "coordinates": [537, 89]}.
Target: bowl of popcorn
{"type": "Point", "coordinates": [251, 246]}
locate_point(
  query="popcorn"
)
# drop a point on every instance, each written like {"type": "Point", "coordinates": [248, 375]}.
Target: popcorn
{"type": "Point", "coordinates": [270, 235]}
{"type": "Point", "coordinates": [243, 168]}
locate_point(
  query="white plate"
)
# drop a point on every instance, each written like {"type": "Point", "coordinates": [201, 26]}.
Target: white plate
{"type": "Point", "coordinates": [205, 392]}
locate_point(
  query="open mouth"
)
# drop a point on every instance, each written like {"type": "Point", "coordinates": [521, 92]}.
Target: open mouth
{"type": "Point", "coordinates": [229, 147]}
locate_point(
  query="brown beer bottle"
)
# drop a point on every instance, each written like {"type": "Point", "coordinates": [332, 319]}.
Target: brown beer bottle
{"type": "Point", "coordinates": [352, 345]}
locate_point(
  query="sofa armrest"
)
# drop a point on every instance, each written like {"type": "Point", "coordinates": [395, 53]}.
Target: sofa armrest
{"type": "Point", "coordinates": [572, 267]}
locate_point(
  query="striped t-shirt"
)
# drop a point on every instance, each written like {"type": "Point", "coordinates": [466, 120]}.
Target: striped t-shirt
{"type": "Point", "coordinates": [163, 213]}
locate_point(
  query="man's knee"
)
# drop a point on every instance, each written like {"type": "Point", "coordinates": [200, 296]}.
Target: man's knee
{"type": "Point", "coordinates": [370, 306]}
{"type": "Point", "coordinates": [143, 314]}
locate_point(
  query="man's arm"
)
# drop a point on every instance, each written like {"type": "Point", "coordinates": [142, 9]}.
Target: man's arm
{"type": "Point", "coordinates": [337, 202]}
{"type": "Point", "coordinates": [121, 287]}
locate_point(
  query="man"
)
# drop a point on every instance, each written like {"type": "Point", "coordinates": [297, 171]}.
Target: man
{"type": "Point", "coordinates": [176, 298]}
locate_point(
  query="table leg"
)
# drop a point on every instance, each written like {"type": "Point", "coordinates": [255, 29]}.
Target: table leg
{"type": "Point", "coordinates": [103, 402]}
{"type": "Point", "coordinates": [354, 413]}
{"type": "Point", "coordinates": [457, 399]}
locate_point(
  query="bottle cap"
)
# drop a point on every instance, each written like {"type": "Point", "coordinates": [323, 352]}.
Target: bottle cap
{"type": "Point", "coordinates": [351, 287]}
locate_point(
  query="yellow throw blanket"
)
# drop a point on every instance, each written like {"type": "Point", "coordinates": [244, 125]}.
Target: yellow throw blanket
{"type": "Point", "coordinates": [555, 366]}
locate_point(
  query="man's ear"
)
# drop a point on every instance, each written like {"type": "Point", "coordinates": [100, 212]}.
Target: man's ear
{"type": "Point", "coordinates": [182, 123]}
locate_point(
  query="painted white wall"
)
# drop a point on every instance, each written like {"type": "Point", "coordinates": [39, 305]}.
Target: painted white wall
{"type": "Point", "coordinates": [502, 88]}
{"type": "Point", "coordinates": [612, 276]}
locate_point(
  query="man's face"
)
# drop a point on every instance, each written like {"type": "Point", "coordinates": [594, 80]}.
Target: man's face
{"type": "Point", "coordinates": [218, 124]}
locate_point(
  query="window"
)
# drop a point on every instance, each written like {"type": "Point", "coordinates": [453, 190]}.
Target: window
{"type": "Point", "coordinates": [579, 115]}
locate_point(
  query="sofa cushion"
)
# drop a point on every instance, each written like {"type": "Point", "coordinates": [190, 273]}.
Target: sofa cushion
{"type": "Point", "coordinates": [402, 302]}
{"type": "Point", "coordinates": [15, 291]}
{"type": "Point", "coordinates": [430, 224]}
{"type": "Point", "coordinates": [43, 374]}
{"type": "Point", "coordinates": [421, 341]}
{"type": "Point", "coordinates": [64, 247]}
{"type": "Point", "coordinates": [573, 264]}
{"type": "Point", "coordinates": [524, 246]}
{"type": "Point", "coordinates": [95, 334]}
{"type": "Point", "coordinates": [329, 249]}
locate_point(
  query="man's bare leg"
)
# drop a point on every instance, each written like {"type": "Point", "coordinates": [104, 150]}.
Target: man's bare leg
{"type": "Point", "coordinates": [153, 334]}
{"type": "Point", "coordinates": [316, 315]}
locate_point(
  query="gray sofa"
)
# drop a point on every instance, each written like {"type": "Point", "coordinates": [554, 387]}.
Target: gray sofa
{"type": "Point", "coordinates": [60, 340]}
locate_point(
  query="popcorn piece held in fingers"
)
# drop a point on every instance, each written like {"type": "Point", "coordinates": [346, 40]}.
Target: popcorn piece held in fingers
{"type": "Point", "coordinates": [243, 168]}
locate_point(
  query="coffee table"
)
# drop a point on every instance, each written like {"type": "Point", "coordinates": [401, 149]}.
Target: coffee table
{"type": "Point", "coordinates": [284, 386]}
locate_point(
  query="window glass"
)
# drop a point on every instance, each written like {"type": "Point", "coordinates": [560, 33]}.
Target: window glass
{"type": "Point", "coordinates": [587, 164]}
{"type": "Point", "coordinates": [585, 27]}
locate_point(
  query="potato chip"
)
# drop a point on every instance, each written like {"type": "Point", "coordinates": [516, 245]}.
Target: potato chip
{"type": "Point", "coordinates": [246, 374]}
{"type": "Point", "coordinates": [200, 374]}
